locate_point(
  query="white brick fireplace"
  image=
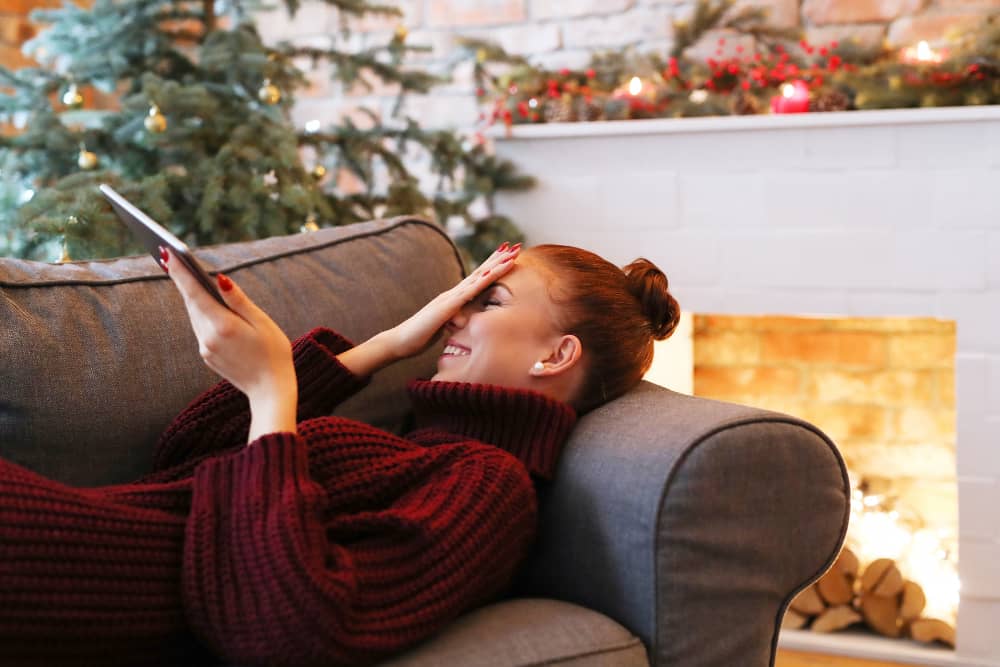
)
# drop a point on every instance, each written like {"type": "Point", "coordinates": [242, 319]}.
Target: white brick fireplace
{"type": "Point", "coordinates": [876, 213]}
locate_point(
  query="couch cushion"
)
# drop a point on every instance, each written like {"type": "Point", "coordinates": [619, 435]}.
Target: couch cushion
{"type": "Point", "coordinates": [97, 357]}
{"type": "Point", "coordinates": [522, 632]}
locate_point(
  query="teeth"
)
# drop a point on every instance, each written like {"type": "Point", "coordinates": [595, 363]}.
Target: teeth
{"type": "Point", "coordinates": [457, 351]}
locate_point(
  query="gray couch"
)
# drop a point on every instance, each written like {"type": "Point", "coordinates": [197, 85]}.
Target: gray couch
{"type": "Point", "coordinates": [677, 529]}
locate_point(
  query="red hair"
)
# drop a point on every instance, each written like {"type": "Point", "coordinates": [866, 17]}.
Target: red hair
{"type": "Point", "coordinates": [616, 314]}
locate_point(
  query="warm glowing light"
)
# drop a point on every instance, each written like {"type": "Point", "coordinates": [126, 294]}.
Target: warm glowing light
{"type": "Point", "coordinates": [922, 54]}
{"type": "Point", "coordinates": [312, 126]}
{"type": "Point", "coordinates": [922, 555]}
{"type": "Point", "coordinates": [788, 90]}
{"type": "Point", "coordinates": [635, 86]}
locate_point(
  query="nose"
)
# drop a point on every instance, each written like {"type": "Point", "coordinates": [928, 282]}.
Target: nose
{"type": "Point", "coordinates": [459, 319]}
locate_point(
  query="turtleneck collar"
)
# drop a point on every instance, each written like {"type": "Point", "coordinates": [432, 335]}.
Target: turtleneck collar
{"type": "Point", "coordinates": [530, 425]}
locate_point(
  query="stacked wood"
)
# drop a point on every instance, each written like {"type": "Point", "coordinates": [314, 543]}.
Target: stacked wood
{"type": "Point", "coordinates": [880, 597]}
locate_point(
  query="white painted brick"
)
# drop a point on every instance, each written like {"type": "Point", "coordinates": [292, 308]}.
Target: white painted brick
{"type": "Point", "coordinates": [548, 9]}
{"type": "Point", "coordinates": [979, 567]}
{"type": "Point", "coordinates": [960, 199]}
{"type": "Point", "coordinates": [701, 299]}
{"type": "Point", "coordinates": [744, 203]}
{"type": "Point", "coordinates": [570, 59]}
{"type": "Point", "coordinates": [869, 303]}
{"type": "Point", "coordinates": [851, 147]}
{"type": "Point", "coordinates": [939, 260]}
{"type": "Point", "coordinates": [799, 259]}
{"type": "Point", "coordinates": [978, 316]}
{"type": "Point", "coordinates": [978, 446]}
{"type": "Point", "coordinates": [522, 39]}
{"type": "Point", "coordinates": [993, 265]}
{"type": "Point", "coordinates": [994, 143]}
{"type": "Point", "coordinates": [970, 384]}
{"type": "Point", "coordinates": [839, 199]}
{"type": "Point", "coordinates": [807, 303]}
{"type": "Point", "coordinates": [637, 25]}
{"type": "Point", "coordinates": [437, 111]}
{"type": "Point", "coordinates": [313, 18]}
{"type": "Point", "coordinates": [978, 498]}
{"type": "Point", "coordinates": [977, 628]}
{"type": "Point", "coordinates": [993, 386]}
{"type": "Point", "coordinates": [944, 145]}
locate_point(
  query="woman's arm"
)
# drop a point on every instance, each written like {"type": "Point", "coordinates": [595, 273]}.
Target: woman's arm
{"type": "Point", "coordinates": [243, 345]}
{"type": "Point", "coordinates": [419, 332]}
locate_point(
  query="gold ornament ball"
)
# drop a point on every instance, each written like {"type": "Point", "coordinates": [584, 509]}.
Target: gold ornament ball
{"type": "Point", "coordinates": [87, 160]}
{"type": "Point", "coordinates": [481, 55]}
{"type": "Point", "coordinates": [310, 225]}
{"type": "Point", "coordinates": [155, 122]}
{"type": "Point", "coordinates": [269, 93]}
{"type": "Point", "coordinates": [72, 98]}
{"type": "Point", "coordinates": [401, 33]}
{"type": "Point", "coordinates": [318, 172]}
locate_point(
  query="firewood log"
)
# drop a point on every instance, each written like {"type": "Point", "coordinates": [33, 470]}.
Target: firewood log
{"type": "Point", "coordinates": [837, 586]}
{"type": "Point", "coordinates": [808, 602]}
{"type": "Point", "coordinates": [882, 578]}
{"type": "Point", "coordinates": [913, 601]}
{"type": "Point", "coordinates": [931, 630]}
{"type": "Point", "coordinates": [835, 618]}
{"type": "Point", "coordinates": [793, 620]}
{"type": "Point", "coordinates": [881, 613]}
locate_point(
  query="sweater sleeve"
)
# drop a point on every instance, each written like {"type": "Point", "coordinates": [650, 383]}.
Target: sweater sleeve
{"type": "Point", "coordinates": [399, 539]}
{"type": "Point", "coordinates": [219, 418]}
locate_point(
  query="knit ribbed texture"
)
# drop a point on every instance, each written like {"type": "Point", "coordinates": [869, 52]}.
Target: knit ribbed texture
{"type": "Point", "coordinates": [529, 425]}
{"type": "Point", "coordinates": [339, 545]}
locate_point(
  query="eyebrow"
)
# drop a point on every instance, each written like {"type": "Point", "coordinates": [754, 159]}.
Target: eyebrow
{"type": "Point", "coordinates": [503, 285]}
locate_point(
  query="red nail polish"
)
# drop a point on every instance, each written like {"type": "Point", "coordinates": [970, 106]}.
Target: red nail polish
{"type": "Point", "coordinates": [225, 284]}
{"type": "Point", "coordinates": [164, 255]}
{"type": "Point", "coordinates": [516, 247]}
{"type": "Point", "coordinates": [163, 265]}
{"type": "Point", "coordinates": [486, 272]}
{"type": "Point", "coordinates": [503, 246]}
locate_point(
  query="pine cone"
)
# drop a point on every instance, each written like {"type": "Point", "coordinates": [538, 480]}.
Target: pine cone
{"type": "Point", "coordinates": [587, 111]}
{"type": "Point", "coordinates": [558, 111]}
{"type": "Point", "coordinates": [744, 104]}
{"type": "Point", "coordinates": [830, 100]}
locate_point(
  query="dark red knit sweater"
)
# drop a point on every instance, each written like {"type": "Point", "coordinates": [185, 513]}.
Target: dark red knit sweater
{"type": "Point", "coordinates": [339, 545]}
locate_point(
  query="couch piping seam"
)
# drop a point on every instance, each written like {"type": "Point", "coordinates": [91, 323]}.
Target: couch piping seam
{"type": "Point", "coordinates": [242, 265]}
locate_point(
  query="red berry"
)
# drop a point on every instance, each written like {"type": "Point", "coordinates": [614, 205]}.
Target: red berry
{"type": "Point", "coordinates": [591, 73]}
{"type": "Point", "coordinates": [745, 85]}
{"type": "Point", "coordinates": [564, 71]}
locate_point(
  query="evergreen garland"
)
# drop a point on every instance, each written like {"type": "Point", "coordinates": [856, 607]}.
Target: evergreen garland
{"type": "Point", "coordinates": [749, 80]}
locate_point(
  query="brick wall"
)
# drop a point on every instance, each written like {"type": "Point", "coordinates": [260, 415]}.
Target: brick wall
{"type": "Point", "coordinates": [882, 388]}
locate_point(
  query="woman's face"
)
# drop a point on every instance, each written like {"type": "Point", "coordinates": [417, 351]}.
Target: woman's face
{"type": "Point", "coordinates": [498, 336]}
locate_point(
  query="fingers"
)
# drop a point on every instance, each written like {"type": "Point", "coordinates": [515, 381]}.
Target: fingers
{"type": "Point", "coordinates": [505, 254]}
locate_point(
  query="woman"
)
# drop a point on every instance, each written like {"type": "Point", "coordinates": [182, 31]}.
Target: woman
{"type": "Point", "coordinates": [272, 534]}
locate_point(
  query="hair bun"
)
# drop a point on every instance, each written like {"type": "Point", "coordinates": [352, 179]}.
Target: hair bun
{"type": "Point", "coordinates": [649, 285]}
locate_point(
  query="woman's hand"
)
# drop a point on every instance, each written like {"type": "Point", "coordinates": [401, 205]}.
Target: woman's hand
{"type": "Point", "coordinates": [243, 345]}
{"type": "Point", "coordinates": [421, 330]}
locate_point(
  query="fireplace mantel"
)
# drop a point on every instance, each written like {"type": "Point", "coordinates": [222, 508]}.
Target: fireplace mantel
{"type": "Point", "coordinates": [864, 213]}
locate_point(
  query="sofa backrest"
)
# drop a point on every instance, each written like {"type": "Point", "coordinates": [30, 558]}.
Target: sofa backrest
{"type": "Point", "coordinates": [97, 357]}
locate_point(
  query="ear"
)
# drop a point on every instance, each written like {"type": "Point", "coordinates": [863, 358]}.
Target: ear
{"type": "Point", "coordinates": [565, 355]}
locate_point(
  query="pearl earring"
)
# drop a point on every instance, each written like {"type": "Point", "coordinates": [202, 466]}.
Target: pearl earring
{"type": "Point", "coordinates": [538, 367]}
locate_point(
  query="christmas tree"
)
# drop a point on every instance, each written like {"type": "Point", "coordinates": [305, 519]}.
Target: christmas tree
{"type": "Point", "coordinates": [191, 123]}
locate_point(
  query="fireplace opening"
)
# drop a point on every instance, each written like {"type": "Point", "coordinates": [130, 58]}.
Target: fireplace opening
{"type": "Point", "coordinates": [883, 389]}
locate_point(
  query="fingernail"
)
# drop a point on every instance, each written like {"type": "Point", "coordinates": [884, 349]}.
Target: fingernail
{"type": "Point", "coordinates": [486, 272]}
{"type": "Point", "coordinates": [503, 246]}
{"type": "Point", "coordinates": [509, 258]}
{"type": "Point", "coordinates": [516, 247]}
{"type": "Point", "coordinates": [163, 265]}
{"type": "Point", "coordinates": [164, 255]}
{"type": "Point", "coordinates": [225, 284]}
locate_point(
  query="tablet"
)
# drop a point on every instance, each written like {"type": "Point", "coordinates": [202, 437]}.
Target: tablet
{"type": "Point", "coordinates": [153, 235]}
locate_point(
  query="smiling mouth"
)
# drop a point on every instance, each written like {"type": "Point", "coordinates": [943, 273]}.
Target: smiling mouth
{"type": "Point", "coordinates": [454, 351]}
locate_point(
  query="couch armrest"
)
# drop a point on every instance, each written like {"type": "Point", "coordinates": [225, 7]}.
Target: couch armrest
{"type": "Point", "coordinates": [691, 522]}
